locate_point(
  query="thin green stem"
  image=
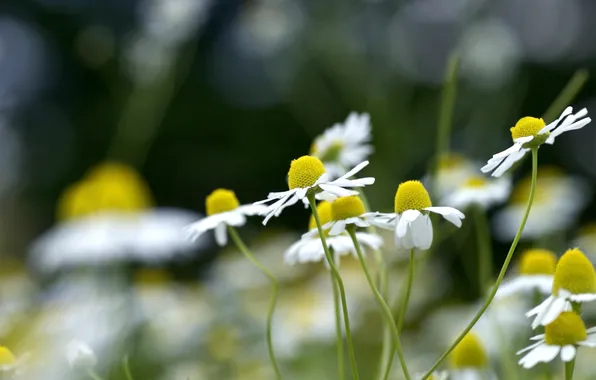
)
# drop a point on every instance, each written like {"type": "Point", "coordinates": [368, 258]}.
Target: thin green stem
{"type": "Point", "coordinates": [569, 367]}
{"type": "Point", "coordinates": [566, 96]}
{"type": "Point", "coordinates": [485, 251]}
{"type": "Point", "coordinates": [491, 296]}
{"type": "Point", "coordinates": [386, 311]}
{"type": "Point", "coordinates": [340, 286]}
{"type": "Point", "coordinates": [338, 331]}
{"type": "Point", "coordinates": [274, 286]}
{"type": "Point", "coordinates": [92, 374]}
{"type": "Point", "coordinates": [406, 300]}
{"type": "Point", "coordinates": [126, 367]}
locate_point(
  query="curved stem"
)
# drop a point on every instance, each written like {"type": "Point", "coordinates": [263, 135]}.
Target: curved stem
{"type": "Point", "coordinates": [386, 311]}
{"type": "Point", "coordinates": [338, 331]}
{"type": "Point", "coordinates": [491, 296]}
{"type": "Point", "coordinates": [340, 286]}
{"type": "Point", "coordinates": [485, 254]}
{"type": "Point", "coordinates": [272, 302]}
{"type": "Point", "coordinates": [126, 368]}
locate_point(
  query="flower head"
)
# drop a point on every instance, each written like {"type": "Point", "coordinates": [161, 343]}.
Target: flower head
{"type": "Point", "coordinates": [469, 353]}
{"type": "Point", "coordinates": [529, 133]}
{"type": "Point", "coordinates": [221, 200]}
{"type": "Point", "coordinates": [411, 195]}
{"type": "Point", "coordinates": [535, 272]}
{"type": "Point", "coordinates": [304, 172]}
{"type": "Point", "coordinates": [479, 191]}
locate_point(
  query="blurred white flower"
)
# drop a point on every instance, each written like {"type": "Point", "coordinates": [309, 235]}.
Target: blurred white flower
{"type": "Point", "coordinates": [452, 170]}
{"type": "Point", "coordinates": [310, 249]}
{"type": "Point", "coordinates": [344, 145]}
{"type": "Point", "coordinates": [479, 191]}
{"type": "Point", "coordinates": [469, 360]}
{"type": "Point", "coordinates": [535, 274]}
{"type": "Point", "coordinates": [80, 355]}
{"type": "Point", "coordinates": [173, 21]}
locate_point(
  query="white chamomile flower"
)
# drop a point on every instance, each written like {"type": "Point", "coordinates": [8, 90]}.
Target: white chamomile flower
{"type": "Point", "coordinates": [436, 375]}
{"type": "Point", "coordinates": [344, 145]}
{"type": "Point", "coordinates": [532, 132]}
{"type": "Point", "coordinates": [411, 220]}
{"type": "Point", "coordinates": [469, 360]}
{"type": "Point", "coordinates": [561, 338]}
{"type": "Point", "coordinates": [536, 273]}
{"type": "Point", "coordinates": [453, 169]}
{"type": "Point", "coordinates": [310, 248]}
{"type": "Point", "coordinates": [575, 281]}
{"type": "Point", "coordinates": [223, 210]}
{"type": "Point", "coordinates": [307, 176]}
{"type": "Point", "coordinates": [479, 191]}
{"type": "Point", "coordinates": [80, 355]}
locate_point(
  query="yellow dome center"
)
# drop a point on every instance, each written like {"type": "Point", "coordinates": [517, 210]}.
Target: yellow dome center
{"type": "Point", "coordinates": [574, 273]}
{"type": "Point", "coordinates": [527, 126]}
{"type": "Point", "coordinates": [304, 172]}
{"type": "Point", "coordinates": [6, 356]}
{"type": "Point", "coordinates": [469, 353]}
{"type": "Point", "coordinates": [537, 261]}
{"type": "Point", "coordinates": [325, 212]}
{"type": "Point", "coordinates": [347, 207]}
{"type": "Point", "coordinates": [567, 329]}
{"type": "Point", "coordinates": [411, 195]}
{"type": "Point", "coordinates": [221, 200]}
{"type": "Point", "coordinates": [475, 182]}
{"type": "Point", "coordinates": [332, 153]}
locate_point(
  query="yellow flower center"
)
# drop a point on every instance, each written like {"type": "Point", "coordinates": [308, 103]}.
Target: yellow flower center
{"type": "Point", "coordinates": [527, 126]}
{"type": "Point", "coordinates": [451, 161]}
{"type": "Point", "coordinates": [6, 356]}
{"type": "Point", "coordinates": [151, 276]}
{"type": "Point", "coordinates": [567, 329]}
{"type": "Point", "coordinates": [325, 212]}
{"type": "Point", "coordinates": [411, 195]}
{"type": "Point", "coordinates": [574, 273]}
{"type": "Point", "coordinates": [304, 172]}
{"type": "Point", "coordinates": [475, 182]}
{"type": "Point", "coordinates": [332, 153]}
{"type": "Point", "coordinates": [221, 200]}
{"type": "Point", "coordinates": [223, 342]}
{"type": "Point", "coordinates": [538, 261]}
{"type": "Point", "coordinates": [347, 207]}
{"type": "Point", "coordinates": [469, 353]}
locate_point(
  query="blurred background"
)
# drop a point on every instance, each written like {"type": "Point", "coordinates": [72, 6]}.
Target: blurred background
{"type": "Point", "coordinates": [201, 94]}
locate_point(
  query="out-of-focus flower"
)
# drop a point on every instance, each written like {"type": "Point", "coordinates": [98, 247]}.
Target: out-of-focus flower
{"type": "Point", "coordinates": [223, 210]}
{"type": "Point", "coordinates": [479, 191]}
{"type": "Point", "coordinates": [344, 145]}
{"type": "Point", "coordinates": [306, 176]}
{"type": "Point", "coordinates": [310, 247]}
{"type": "Point", "coordinates": [561, 337]}
{"type": "Point", "coordinates": [536, 270]}
{"type": "Point", "coordinates": [173, 21]}
{"type": "Point", "coordinates": [469, 360]}
{"type": "Point", "coordinates": [575, 281]}
{"type": "Point", "coordinates": [411, 220]}
{"type": "Point", "coordinates": [586, 240]}
{"type": "Point", "coordinates": [531, 132]}
{"type": "Point", "coordinates": [80, 355]}
{"type": "Point", "coordinates": [550, 214]}
{"type": "Point", "coordinates": [452, 170]}
{"type": "Point", "coordinates": [106, 218]}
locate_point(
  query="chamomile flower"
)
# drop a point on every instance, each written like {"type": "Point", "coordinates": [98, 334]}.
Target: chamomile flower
{"type": "Point", "coordinates": [223, 210]}
{"type": "Point", "coordinates": [536, 273]}
{"type": "Point", "coordinates": [344, 145]}
{"type": "Point", "coordinates": [531, 132]}
{"type": "Point", "coordinates": [561, 337]}
{"type": "Point", "coordinates": [453, 170]}
{"type": "Point", "coordinates": [310, 248]}
{"type": "Point", "coordinates": [479, 191]}
{"type": "Point", "coordinates": [574, 282]}
{"type": "Point", "coordinates": [307, 176]}
{"type": "Point", "coordinates": [411, 220]}
{"type": "Point", "coordinates": [469, 360]}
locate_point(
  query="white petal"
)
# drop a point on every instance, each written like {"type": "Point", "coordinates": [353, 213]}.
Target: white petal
{"type": "Point", "coordinates": [406, 218]}
{"type": "Point", "coordinates": [543, 353]}
{"type": "Point", "coordinates": [221, 235]}
{"type": "Point", "coordinates": [451, 214]}
{"type": "Point", "coordinates": [568, 353]}
{"type": "Point", "coordinates": [355, 170]}
{"type": "Point", "coordinates": [422, 232]}
{"type": "Point", "coordinates": [338, 191]}
{"type": "Point", "coordinates": [553, 312]}
{"type": "Point", "coordinates": [338, 227]}
{"type": "Point", "coordinates": [531, 346]}
{"type": "Point", "coordinates": [586, 297]}
{"type": "Point", "coordinates": [554, 123]}
{"type": "Point", "coordinates": [523, 140]}
{"type": "Point", "coordinates": [509, 161]}
{"type": "Point", "coordinates": [252, 209]}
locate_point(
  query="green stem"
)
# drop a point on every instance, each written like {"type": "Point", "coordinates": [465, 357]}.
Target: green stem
{"type": "Point", "coordinates": [567, 95]}
{"type": "Point", "coordinates": [92, 374]}
{"type": "Point", "coordinates": [340, 285]}
{"type": "Point", "coordinates": [404, 305]}
{"type": "Point", "coordinates": [274, 286]}
{"type": "Point", "coordinates": [382, 303]}
{"type": "Point", "coordinates": [126, 367]}
{"type": "Point", "coordinates": [491, 296]}
{"type": "Point", "coordinates": [485, 254]}
{"type": "Point", "coordinates": [338, 331]}
{"type": "Point", "coordinates": [569, 367]}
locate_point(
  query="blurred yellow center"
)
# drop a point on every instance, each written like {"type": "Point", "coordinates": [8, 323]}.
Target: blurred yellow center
{"type": "Point", "coordinates": [332, 153]}
{"type": "Point", "coordinates": [151, 276]}
{"type": "Point", "coordinates": [221, 200]}
{"type": "Point", "coordinates": [469, 353]}
{"type": "Point", "coordinates": [475, 181]}
{"type": "Point", "coordinates": [325, 212]}
{"type": "Point", "coordinates": [527, 126]}
{"type": "Point", "coordinates": [347, 207]}
{"type": "Point", "coordinates": [6, 356]}
{"type": "Point", "coordinates": [567, 329]}
{"type": "Point", "coordinates": [411, 195]}
{"type": "Point", "coordinates": [451, 161]}
{"type": "Point", "coordinates": [537, 261]}
{"type": "Point", "coordinates": [304, 172]}
{"type": "Point", "coordinates": [574, 273]}
{"type": "Point", "coordinates": [223, 342]}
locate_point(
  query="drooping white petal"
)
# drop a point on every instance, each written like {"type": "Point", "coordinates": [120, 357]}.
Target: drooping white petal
{"type": "Point", "coordinates": [509, 161]}
{"type": "Point", "coordinates": [252, 209]}
{"type": "Point", "coordinates": [568, 353]}
{"type": "Point", "coordinates": [406, 218]}
{"type": "Point", "coordinates": [551, 313]}
{"type": "Point", "coordinates": [451, 214]}
{"type": "Point", "coordinates": [221, 235]}
{"type": "Point", "coordinates": [337, 191]}
{"type": "Point", "coordinates": [338, 227]}
{"type": "Point", "coordinates": [355, 170]}
{"type": "Point", "coordinates": [541, 354]}
{"type": "Point", "coordinates": [538, 309]}
{"type": "Point", "coordinates": [421, 230]}
{"type": "Point", "coordinates": [531, 346]}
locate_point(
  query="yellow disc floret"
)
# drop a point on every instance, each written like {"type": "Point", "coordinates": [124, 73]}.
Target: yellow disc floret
{"type": "Point", "coordinates": [347, 207]}
{"type": "Point", "coordinates": [527, 126]}
{"type": "Point", "coordinates": [475, 182]}
{"type": "Point", "coordinates": [469, 353]}
{"type": "Point", "coordinates": [221, 200]}
{"type": "Point", "coordinates": [325, 215]}
{"type": "Point", "coordinates": [411, 195]}
{"type": "Point", "coordinates": [304, 172]}
{"type": "Point", "coordinates": [6, 356]}
{"type": "Point", "coordinates": [574, 273]}
{"type": "Point", "coordinates": [567, 329]}
{"type": "Point", "coordinates": [537, 261]}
